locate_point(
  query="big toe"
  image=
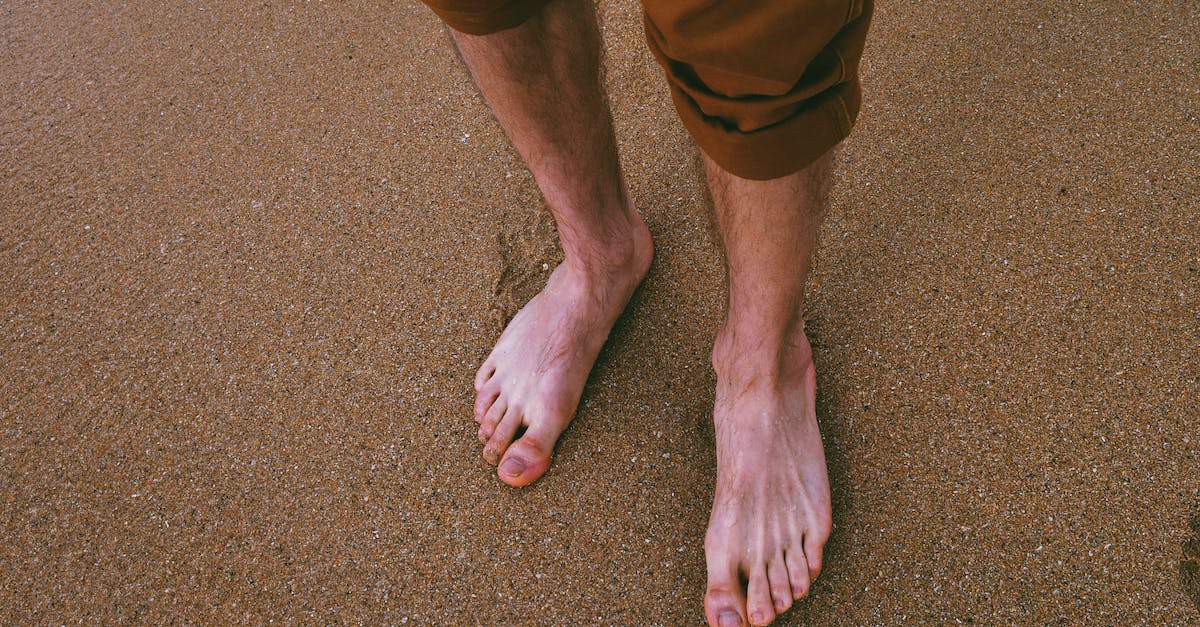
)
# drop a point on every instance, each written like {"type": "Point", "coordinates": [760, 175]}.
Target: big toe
{"type": "Point", "coordinates": [528, 457]}
{"type": "Point", "coordinates": [723, 605]}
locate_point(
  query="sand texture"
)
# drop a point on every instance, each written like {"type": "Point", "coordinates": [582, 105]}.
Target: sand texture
{"type": "Point", "coordinates": [251, 254]}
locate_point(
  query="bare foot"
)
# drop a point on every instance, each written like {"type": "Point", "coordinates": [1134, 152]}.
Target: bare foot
{"type": "Point", "coordinates": [771, 511]}
{"type": "Point", "coordinates": [535, 375]}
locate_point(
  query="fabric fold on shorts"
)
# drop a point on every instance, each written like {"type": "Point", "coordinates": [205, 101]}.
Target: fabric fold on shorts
{"type": "Point", "coordinates": [765, 88]}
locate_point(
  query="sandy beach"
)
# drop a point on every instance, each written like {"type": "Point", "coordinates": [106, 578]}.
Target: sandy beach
{"type": "Point", "coordinates": [251, 255]}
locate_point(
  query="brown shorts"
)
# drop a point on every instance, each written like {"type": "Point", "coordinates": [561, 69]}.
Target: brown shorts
{"type": "Point", "coordinates": [764, 86]}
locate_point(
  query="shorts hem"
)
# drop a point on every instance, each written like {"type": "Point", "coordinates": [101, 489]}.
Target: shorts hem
{"type": "Point", "coordinates": [780, 149]}
{"type": "Point", "coordinates": [486, 22]}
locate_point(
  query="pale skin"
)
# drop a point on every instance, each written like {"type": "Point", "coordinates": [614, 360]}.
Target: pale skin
{"type": "Point", "coordinates": [771, 512]}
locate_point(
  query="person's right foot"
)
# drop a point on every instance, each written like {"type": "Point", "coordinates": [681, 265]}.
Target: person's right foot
{"type": "Point", "coordinates": [535, 375]}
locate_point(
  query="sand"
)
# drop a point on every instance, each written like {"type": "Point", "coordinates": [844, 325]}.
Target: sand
{"type": "Point", "coordinates": [251, 254]}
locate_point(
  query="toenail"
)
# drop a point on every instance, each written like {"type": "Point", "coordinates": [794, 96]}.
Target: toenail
{"type": "Point", "coordinates": [729, 619]}
{"type": "Point", "coordinates": [779, 605]}
{"type": "Point", "coordinates": [513, 467]}
{"type": "Point", "coordinates": [756, 618]}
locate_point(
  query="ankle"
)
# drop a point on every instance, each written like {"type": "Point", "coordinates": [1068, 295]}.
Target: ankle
{"type": "Point", "coordinates": [765, 354]}
{"type": "Point", "coordinates": [622, 246]}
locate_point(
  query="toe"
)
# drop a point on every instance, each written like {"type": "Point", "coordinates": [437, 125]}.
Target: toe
{"type": "Point", "coordinates": [485, 372]}
{"type": "Point", "coordinates": [758, 598]}
{"type": "Point", "coordinates": [724, 603]}
{"type": "Point", "coordinates": [502, 437]}
{"type": "Point", "coordinates": [529, 457]}
{"type": "Point", "coordinates": [484, 400]}
{"type": "Point", "coordinates": [797, 570]}
{"type": "Point", "coordinates": [814, 548]}
{"type": "Point", "coordinates": [487, 426]}
{"type": "Point", "coordinates": [781, 588]}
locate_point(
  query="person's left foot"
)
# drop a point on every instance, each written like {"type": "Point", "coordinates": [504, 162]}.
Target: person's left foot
{"type": "Point", "coordinates": [771, 512]}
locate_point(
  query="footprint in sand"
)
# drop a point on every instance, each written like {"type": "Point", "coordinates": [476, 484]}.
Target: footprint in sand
{"type": "Point", "coordinates": [527, 248]}
{"type": "Point", "coordinates": [1189, 563]}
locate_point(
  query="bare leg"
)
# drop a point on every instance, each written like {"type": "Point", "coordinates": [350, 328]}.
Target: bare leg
{"type": "Point", "coordinates": [771, 511]}
{"type": "Point", "coordinates": [541, 80]}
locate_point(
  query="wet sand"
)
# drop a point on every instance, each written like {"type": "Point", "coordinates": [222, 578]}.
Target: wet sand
{"type": "Point", "coordinates": [251, 254]}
